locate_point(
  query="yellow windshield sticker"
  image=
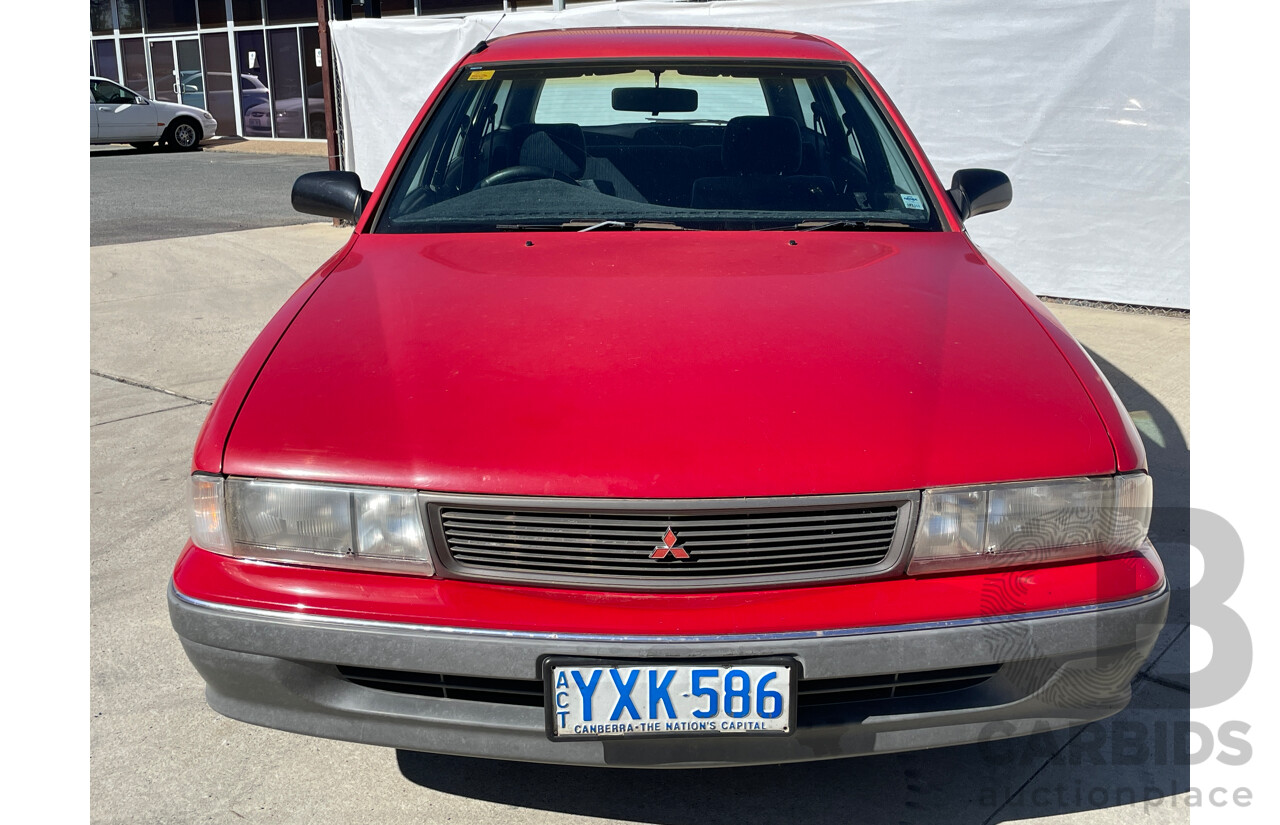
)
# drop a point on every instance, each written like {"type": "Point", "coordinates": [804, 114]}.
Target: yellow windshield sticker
{"type": "Point", "coordinates": [481, 74]}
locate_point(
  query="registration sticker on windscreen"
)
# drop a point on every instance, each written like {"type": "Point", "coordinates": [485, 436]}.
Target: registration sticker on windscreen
{"type": "Point", "coordinates": [593, 699]}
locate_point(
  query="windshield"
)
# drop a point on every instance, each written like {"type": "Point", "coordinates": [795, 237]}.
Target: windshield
{"type": "Point", "coordinates": [671, 145]}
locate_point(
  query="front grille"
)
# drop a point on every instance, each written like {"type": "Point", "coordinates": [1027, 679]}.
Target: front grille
{"type": "Point", "coordinates": [444, 686]}
{"type": "Point", "coordinates": [814, 692]}
{"type": "Point", "coordinates": [594, 546]}
{"type": "Point", "coordinates": [825, 694]}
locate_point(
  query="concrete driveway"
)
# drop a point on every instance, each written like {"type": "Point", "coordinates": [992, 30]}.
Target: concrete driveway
{"type": "Point", "coordinates": [169, 320]}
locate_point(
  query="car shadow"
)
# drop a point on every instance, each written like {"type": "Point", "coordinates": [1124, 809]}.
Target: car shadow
{"type": "Point", "coordinates": [1137, 757]}
{"type": "Point", "coordinates": [1168, 458]}
{"type": "Point", "coordinates": [124, 150]}
{"type": "Point", "coordinates": [1169, 462]}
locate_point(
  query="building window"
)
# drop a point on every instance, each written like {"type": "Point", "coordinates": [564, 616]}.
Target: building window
{"type": "Point", "coordinates": [312, 78]}
{"type": "Point", "coordinates": [213, 14]}
{"type": "Point", "coordinates": [129, 15]}
{"type": "Point", "coordinates": [100, 19]}
{"type": "Point", "coordinates": [247, 11]}
{"type": "Point", "coordinates": [170, 15]}
{"type": "Point", "coordinates": [459, 6]}
{"type": "Point", "coordinates": [219, 97]}
{"type": "Point", "coordinates": [390, 8]}
{"type": "Point", "coordinates": [291, 11]}
{"type": "Point", "coordinates": [135, 65]}
{"type": "Point", "coordinates": [288, 104]}
{"type": "Point", "coordinates": [104, 58]}
{"type": "Point", "coordinates": [255, 103]}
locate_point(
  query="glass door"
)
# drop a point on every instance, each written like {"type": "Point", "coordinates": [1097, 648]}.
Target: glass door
{"type": "Point", "coordinates": [163, 70]}
{"type": "Point", "coordinates": [191, 90]}
{"type": "Point", "coordinates": [176, 73]}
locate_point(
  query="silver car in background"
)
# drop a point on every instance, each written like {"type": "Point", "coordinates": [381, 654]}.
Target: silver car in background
{"type": "Point", "coordinates": [120, 115]}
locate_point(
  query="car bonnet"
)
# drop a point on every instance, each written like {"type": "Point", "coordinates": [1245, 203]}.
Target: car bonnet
{"type": "Point", "coordinates": [673, 364]}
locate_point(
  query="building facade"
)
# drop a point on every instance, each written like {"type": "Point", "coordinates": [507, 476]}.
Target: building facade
{"type": "Point", "coordinates": [256, 65]}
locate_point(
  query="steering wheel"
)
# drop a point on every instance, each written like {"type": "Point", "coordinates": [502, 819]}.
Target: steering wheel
{"type": "Point", "coordinates": [520, 174]}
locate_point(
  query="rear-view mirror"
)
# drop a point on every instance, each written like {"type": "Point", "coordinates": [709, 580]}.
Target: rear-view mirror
{"type": "Point", "coordinates": [654, 99]}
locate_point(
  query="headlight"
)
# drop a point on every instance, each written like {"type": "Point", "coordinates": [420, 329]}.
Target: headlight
{"type": "Point", "coordinates": [332, 526]}
{"type": "Point", "coordinates": [1000, 525]}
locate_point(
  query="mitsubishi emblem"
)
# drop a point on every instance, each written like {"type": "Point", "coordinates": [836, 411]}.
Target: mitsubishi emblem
{"type": "Point", "coordinates": [669, 546]}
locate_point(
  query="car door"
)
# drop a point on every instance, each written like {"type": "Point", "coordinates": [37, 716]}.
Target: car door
{"type": "Point", "coordinates": [93, 117]}
{"type": "Point", "coordinates": [120, 116]}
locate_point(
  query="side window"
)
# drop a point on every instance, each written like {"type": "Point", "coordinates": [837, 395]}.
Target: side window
{"type": "Point", "coordinates": [823, 113]}
{"type": "Point", "coordinates": [804, 96]}
{"type": "Point", "coordinates": [500, 101]}
{"type": "Point", "coordinates": [900, 176]}
{"type": "Point", "coordinates": [478, 116]}
{"type": "Point", "coordinates": [889, 182]}
{"type": "Point", "coordinates": [435, 163]}
{"type": "Point", "coordinates": [105, 92]}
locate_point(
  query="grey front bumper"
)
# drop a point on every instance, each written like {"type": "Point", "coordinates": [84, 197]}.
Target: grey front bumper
{"type": "Point", "coordinates": [280, 670]}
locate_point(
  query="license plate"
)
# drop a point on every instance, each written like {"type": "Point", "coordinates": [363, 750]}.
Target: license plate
{"type": "Point", "coordinates": [593, 699]}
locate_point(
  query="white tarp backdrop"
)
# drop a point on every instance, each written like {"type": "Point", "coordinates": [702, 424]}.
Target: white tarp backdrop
{"type": "Point", "coordinates": [1084, 103]}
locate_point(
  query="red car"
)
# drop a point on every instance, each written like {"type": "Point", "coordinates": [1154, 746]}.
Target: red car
{"type": "Point", "coordinates": [660, 412]}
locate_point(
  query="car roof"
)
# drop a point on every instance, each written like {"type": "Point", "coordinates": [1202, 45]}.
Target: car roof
{"type": "Point", "coordinates": [665, 41]}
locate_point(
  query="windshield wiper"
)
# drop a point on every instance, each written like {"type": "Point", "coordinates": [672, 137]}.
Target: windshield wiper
{"type": "Point", "coordinates": [587, 226]}
{"type": "Point", "coordinates": [854, 226]}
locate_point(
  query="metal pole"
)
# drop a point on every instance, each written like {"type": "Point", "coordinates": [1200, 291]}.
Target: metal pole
{"type": "Point", "coordinates": [326, 82]}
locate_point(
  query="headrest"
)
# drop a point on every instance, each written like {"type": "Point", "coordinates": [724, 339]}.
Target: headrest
{"type": "Point", "coordinates": [761, 145]}
{"type": "Point", "coordinates": [558, 146]}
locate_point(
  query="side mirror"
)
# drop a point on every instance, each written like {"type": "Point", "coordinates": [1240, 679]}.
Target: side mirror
{"type": "Point", "coordinates": [141, 101]}
{"type": "Point", "coordinates": [976, 191]}
{"type": "Point", "coordinates": [330, 195]}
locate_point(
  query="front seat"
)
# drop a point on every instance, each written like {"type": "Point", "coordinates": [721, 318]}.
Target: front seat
{"type": "Point", "coordinates": [762, 154]}
{"type": "Point", "coordinates": [562, 148]}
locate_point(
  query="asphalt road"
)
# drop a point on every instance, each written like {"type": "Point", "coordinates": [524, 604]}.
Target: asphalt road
{"type": "Point", "coordinates": [153, 194]}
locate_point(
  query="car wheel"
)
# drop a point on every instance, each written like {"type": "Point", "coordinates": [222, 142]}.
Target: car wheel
{"type": "Point", "coordinates": [183, 135]}
{"type": "Point", "coordinates": [146, 144]}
